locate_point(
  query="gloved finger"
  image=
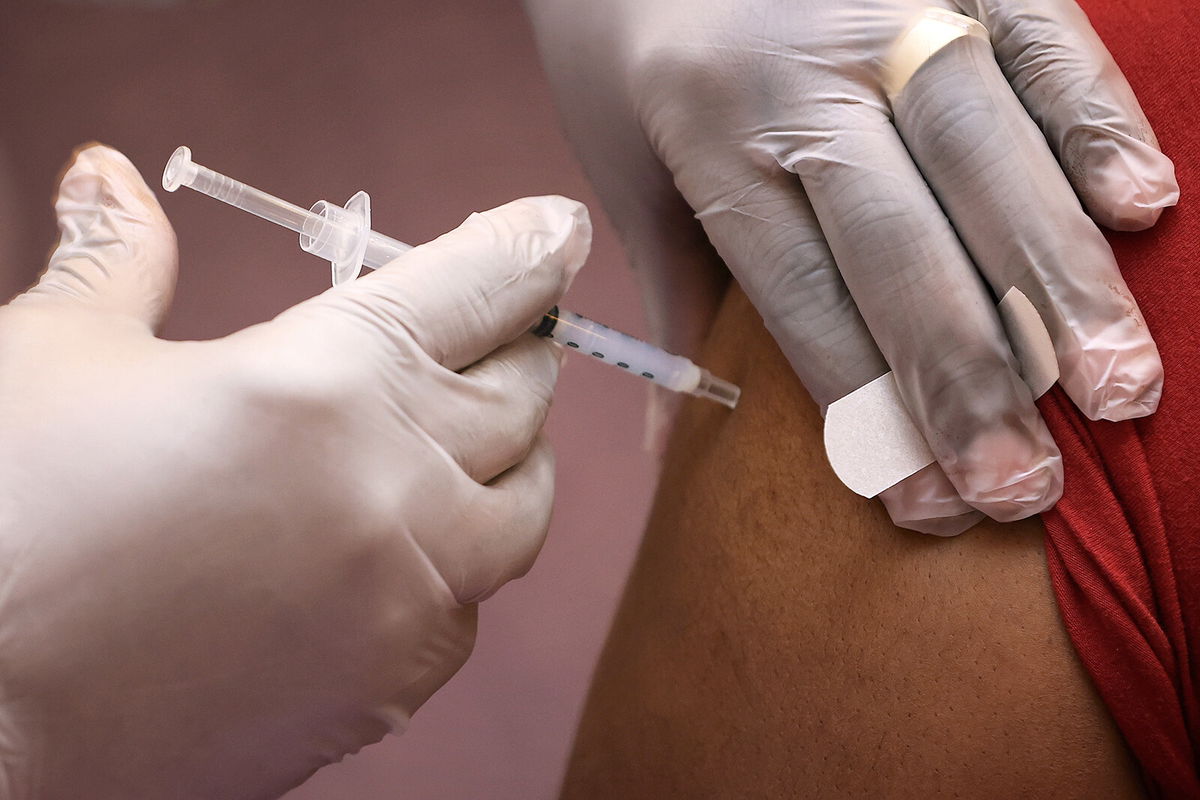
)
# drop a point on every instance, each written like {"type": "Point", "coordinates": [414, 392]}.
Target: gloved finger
{"type": "Point", "coordinates": [1020, 221]}
{"type": "Point", "coordinates": [516, 507]}
{"type": "Point", "coordinates": [488, 418]}
{"type": "Point", "coordinates": [932, 318]}
{"type": "Point", "coordinates": [116, 249]}
{"type": "Point", "coordinates": [761, 223]}
{"type": "Point", "coordinates": [474, 288]}
{"type": "Point", "coordinates": [1069, 83]}
{"type": "Point", "coordinates": [927, 502]}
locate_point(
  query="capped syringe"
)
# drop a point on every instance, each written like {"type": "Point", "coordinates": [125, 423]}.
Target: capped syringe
{"type": "Point", "coordinates": [342, 236]}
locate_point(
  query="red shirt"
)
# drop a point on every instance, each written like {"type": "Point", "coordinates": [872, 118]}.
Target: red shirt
{"type": "Point", "coordinates": [1124, 542]}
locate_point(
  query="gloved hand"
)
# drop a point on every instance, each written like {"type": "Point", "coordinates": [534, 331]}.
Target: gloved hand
{"type": "Point", "coordinates": [867, 196]}
{"type": "Point", "coordinates": [228, 563]}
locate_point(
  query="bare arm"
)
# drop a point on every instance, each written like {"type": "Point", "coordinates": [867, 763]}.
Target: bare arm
{"type": "Point", "coordinates": [779, 637]}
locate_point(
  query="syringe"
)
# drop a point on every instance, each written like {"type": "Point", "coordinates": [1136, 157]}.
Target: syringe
{"type": "Point", "coordinates": [342, 236]}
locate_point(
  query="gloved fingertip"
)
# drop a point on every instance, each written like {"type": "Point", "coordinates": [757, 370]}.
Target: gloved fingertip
{"type": "Point", "coordinates": [1117, 376]}
{"type": "Point", "coordinates": [116, 249]}
{"type": "Point", "coordinates": [565, 228]}
{"type": "Point", "coordinates": [1141, 406]}
{"type": "Point", "coordinates": [1010, 474]}
{"type": "Point", "coordinates": [1133, 203]}
{"type": "Point", "coordinates": [1126, 184]}
{"type": "Point", "coordinates": [102, 152]}
{"type": "Point", "coordinates": [927, 502]}
{"type": "Point", "coordinates": [98, 175]}
{"type": "Point", "coordinates": [579, 243]}
{"type": "Point", "coordinates": [945, 527]}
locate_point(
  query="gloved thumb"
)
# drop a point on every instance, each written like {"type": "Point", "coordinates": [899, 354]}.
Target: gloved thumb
{"type": "Point", "coordinates": [116, 251]}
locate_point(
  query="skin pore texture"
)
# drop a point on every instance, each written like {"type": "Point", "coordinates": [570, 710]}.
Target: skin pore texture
{"type": "Point", "coordinates": [780, 638]}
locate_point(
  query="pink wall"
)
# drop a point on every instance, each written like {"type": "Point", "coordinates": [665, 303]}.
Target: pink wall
{"type": "Point", "coordinates": [437, 109]}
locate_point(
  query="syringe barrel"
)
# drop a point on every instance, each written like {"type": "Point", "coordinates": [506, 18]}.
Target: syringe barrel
{"type": "Point", "coordinates": [620, 350]}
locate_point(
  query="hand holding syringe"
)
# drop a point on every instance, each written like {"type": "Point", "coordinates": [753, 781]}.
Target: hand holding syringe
{"type": "Point", "coordinates": [343, 236]}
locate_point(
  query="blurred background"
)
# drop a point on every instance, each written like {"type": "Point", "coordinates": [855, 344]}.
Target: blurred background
{"type": "Point", "coordinates": [437, 109]}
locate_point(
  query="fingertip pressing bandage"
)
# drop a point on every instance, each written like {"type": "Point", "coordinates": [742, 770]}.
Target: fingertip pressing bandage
{"type": "Point", "coordinates": [935, 29]}
{"type": "Point", "coordinates": [871, 441]}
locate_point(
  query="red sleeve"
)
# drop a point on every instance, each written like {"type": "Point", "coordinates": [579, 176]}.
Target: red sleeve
{"type": "Point", "coordinates": [1124, 542]}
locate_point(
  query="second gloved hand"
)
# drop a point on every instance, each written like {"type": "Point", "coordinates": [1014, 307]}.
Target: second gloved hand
{"type": "Point", "coordinates": [877, 175]}
{"type": "Point", "coordinates": [229, 563]}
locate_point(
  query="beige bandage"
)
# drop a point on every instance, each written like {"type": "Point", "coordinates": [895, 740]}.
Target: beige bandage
{"type": "Point", "coordinates": [935, 29]}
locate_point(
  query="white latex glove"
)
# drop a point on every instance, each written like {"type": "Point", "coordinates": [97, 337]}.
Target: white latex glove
{"type": "Point", "coordinates": [868, 228]}
{"type": "Point", "coordinates": [228, 563]}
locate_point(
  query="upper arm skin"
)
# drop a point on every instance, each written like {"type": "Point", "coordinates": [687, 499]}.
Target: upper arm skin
{"type": "Point", "coordinates": [779, 637]}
